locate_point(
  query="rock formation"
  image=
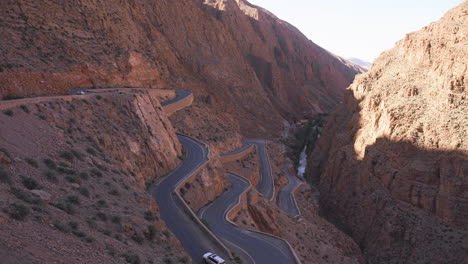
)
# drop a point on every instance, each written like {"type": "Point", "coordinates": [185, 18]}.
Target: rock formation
{"type": "Point", "coordinates": [392, 163]}
{"type": "Point", "coordinates": [244, 64]}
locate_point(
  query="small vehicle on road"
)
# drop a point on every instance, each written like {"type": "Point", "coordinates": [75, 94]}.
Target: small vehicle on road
{"type": "Point", "coordinates": [212, 258]}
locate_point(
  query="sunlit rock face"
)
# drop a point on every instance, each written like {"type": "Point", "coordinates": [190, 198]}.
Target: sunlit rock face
{"type": "Point", "coordinates": [392, 164]}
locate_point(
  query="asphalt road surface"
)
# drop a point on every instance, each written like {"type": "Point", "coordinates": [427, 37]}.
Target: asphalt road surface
{"type": "Point", "coordinates": [265, 186]}
{"type": "Point", "coordinates": [181, 94]}
{"type": "Point", "coordinates": [286, 200]}
{"type": "Point", "coordinates": [254, 247]}
{"type": "Point", "coordinates": [195, 242]}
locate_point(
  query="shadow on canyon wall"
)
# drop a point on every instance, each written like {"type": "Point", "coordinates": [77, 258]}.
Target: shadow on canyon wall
{"type": "Point", "coordinates": [401, 203]}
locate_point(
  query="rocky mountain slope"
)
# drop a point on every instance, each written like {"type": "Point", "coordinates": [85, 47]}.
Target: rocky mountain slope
{"type": "Point", "coordinates": [243, 64]}
{"type": "Point", "coordinates": [392, 163]}
{"type": "Point", "coordinates": [73, 177]}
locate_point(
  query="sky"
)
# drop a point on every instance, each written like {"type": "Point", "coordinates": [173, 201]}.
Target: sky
{"type": "Point", "coordinates": [358, 28]}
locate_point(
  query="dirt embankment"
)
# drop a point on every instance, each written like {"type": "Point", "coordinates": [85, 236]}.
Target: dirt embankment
{"type": "Point", "coordinates": [391, 166]}
{"type": "Point", "coordinates": [73, 176]}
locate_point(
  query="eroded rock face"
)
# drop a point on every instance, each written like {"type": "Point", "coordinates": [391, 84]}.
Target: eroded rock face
{"type": "Point", "coordinates": [243, 63]}
{"type": "Point", "coordinates": [392, 163]}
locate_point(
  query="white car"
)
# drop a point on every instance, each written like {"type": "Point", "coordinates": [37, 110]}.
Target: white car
{"type": "Point", "coordinates": [212, 258]}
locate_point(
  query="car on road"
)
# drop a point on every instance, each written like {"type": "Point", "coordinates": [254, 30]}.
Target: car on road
{"type": "Point", "coordinates": [212, 258]}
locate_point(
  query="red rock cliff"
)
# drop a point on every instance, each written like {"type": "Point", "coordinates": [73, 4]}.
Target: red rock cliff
{"type": "Point", "coordinates": [392, 163]}
{"type": "Point", "coordinates": [240, 59]}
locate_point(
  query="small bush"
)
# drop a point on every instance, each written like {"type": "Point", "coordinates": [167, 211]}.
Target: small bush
{"type": "Point", "coordinates": [84, 175]}
{"type": "Point", "coordinates": [78, 233]}
{"type": "Point", "coordinates": [25, 109]}
{"type": "Point", "coordinates": [50, 164]}
{"type": "Point", "coordinates": [91, 151]}
{"type": "Point", "coordinates": [67, 208]}
{"type": "Point", "coordinates": [101, 204]}
{"type": "Point", "coordinates": [95, 172]}
{"type": "Point", "coordinates": [183, 260]}
{"type": "Point", "coordinates": [131, 257]}
{"type": "Point", "coordinates": [29, 183]}
{"type": "Point", "coordinates": [8, 112]}
{"type": "Point", "coordinates": [187, 185]}
{"type": "Point", "coordinates": [73, 199]}
{"type": "Point", "coordinates": [101, 216]}
{"type": "Point", "coordinates": [32, 162]}
{"type": "Point", "coordinates": [84, 191]}
{"type": "Point", "coordinates": [67, 155]}
{"type": "Point", "coordinates": [138, 238]}
{"type": "Point", "coordinates": [152, 232]}
{"type": "Point", "coordinates": [4, 176]}
{"type": "Point", "coordinates": [149, 215]}
{"type": "Point", "coordinates": [73, 225]}
{"type": "Point", "coordinates": [98, 97]}
{"type": "Point", "coordinates": [116, 219]}
{"type": "Point", "coordinates": [43, 117]}
{"type": "Point", "coordinates": [61, 227]}
{"type": "Point", "coordinates": [18, 211]}
{"type": "Point", "coordinates": [64, 170]}
{"type": "Point", "coordinates": [24, 196]}
{"type": "Point", "coordinates": [50, 175]}
{"type": "Point", "coordinates": [114, 192]}
{"type": "Point", "coordinates": [72, 179]}
{"type": "Point", "coordinates": [77, 154]}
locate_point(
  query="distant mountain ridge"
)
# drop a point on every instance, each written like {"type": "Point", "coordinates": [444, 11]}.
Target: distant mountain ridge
{"type": "Point", "coordinates": [365, 64]}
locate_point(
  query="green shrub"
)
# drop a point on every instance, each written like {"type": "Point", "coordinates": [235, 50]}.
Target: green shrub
{"type": "Point", "coordinates": [131, 257]}
{"type": "Point", "coordinates": [152, 232]}
{"type": "Point", "coordinates": [138, 238]}
{"type": "Point", "coordinates": [50, 164]}
{"type": "Point", "coordinates": [25, 109]}
{"type": "Point", "coordinates": [50, 175]}
{"type": "Point", "coordinates": [4, 176]}
{"type": "Point", "coordinates": [78, 233]}
{"type": "Point", "coordinates": [116, 219]}
{"type": "Point", "coordinates": [149, 215]}
{"type": "Point", "coordinates": [84, 175]}
{"type": "Point", "coordinates": [77, 154]}
{"type": "Point", "coordinates": [8, 112]}
{"type": "Point", "coordinates": [24, 196]}
{"type": "Point", "coordinates": [18, 211]}
{"type": "Point", "coordinates": [73, 225]}
{"type": "Point", "coordinates": [114, 192]}
{"type": "Point", "coordinates": [67, 155]}
{"type": "Point", "coordinates": [95, 172]}
{"type": "Point", "coordinates": [64, 170]}
{"type": "Point", "coordinates": [67, 208]}
{"type": "Point", "coordinates": [101, 204]}
{"type": "Point", "coordinates": [32, 162]}
{"type": "Point", "coordinates": [101, 216]}
{"type": "Point", "coordinates": [84, 191]}
{"type": "Point", "coordinates": [61, 227]}
{"type": "Point", "coordinates": [30, 183]}
{"type": "Point", "coordinates": [91, 151]}
{"type": "Point", "coordinates": [73, 199]}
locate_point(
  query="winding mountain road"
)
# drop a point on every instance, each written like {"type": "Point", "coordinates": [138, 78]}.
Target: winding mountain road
{"type": "Point", "coordinates": [266, 184]}
{"type": "Point", "coordinates": [256, 247]}
{"type": "Point", "coordinates": [195, 241]}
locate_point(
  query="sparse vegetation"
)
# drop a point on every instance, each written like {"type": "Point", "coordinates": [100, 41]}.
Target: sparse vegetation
{"type": "Point", "coordinates": [77, 154]}
{"type": "Point", "coordinates": [116, 219]}
{"type": "Point", "coordinates": [131, 257]}
{"type": "Point", "coordinates": [152, 232]}
{"type": "Point", "coordinates": [50, 164]}
{"type": "Point", "coordinates": [25, 108]}
{"type": "Point", "coordinates": [91, 151]}
{"type": "Point", "coordinates": [138, 238]}
{"type": "Point", "coordinates": [29, 183]}
{"type": "Point", "coordinates": [4, 176]}
{"type": "Point", "coordinates": [84, 175]}
{"type": "Point", "coordinates": [101, 216]}
{"type": "Point", "coordinates": [8, 112]}
{"type": "Point", "coordinates": [17, 211]}
{"type": "Point", "coordinates": [24, 196]}
{"type": "Point", "coordinates": [95, 172]}
{"type": "Point", "coordinates": [84, 191]}
{"type": "Point", "coordinates": [73, 199]}
{"type": "Point", "coordinates": [32, 162]}
{"type": "Point", "coordinates": [149, 215]}
{"type": "Point", "coordinates": [67, 155]}
{"type": "Point", "coordinates": [50, 175]}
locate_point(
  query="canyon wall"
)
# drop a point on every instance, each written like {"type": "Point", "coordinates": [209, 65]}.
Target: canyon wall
{"type": "Point", "coordinates": [391, 164]}
{"type": "Point", "coordinates": [242, 63]}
